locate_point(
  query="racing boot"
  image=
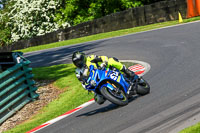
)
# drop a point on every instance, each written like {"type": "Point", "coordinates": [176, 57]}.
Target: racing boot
{"type": "Point", "coordinates": [130, 74]}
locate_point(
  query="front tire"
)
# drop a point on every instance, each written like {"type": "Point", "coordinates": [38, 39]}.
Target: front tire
{"type": "Point", "coordinates": [119, 99]}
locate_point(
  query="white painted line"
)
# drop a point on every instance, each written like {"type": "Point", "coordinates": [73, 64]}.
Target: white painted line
{"type": "Point", "coordinates": [61, 117]}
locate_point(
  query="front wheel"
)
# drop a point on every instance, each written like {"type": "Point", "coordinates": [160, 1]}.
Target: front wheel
{"type": "Point", "coordinates": [143, 87]}
{"type": "Point", "coordinates": [118, 98]}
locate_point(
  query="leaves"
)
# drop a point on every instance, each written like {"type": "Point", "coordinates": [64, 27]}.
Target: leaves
{"type": "Point", "coordinates": [23, 19]}
{"type": "Point", "coordinates": [78, 11]}
{"type": "Point", "coordinates": [28, 18]}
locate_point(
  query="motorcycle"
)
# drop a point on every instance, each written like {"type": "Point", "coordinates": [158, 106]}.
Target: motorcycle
{"type": "Point", "coordinates": [110, 84]}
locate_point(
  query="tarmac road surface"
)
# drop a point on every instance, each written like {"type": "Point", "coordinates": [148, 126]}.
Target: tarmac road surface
{"type": "Point", "coordinates": [174, 56]}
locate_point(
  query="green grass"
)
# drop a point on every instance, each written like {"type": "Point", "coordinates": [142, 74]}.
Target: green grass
{"type": "Point", "coordinates": [65, 79]}
{"type": "Point", "coordinates": [73, 95]}
{"type": "Point", "coordinates": [106, 35]}
{"type": "Point", "coordinates": [192, 129]}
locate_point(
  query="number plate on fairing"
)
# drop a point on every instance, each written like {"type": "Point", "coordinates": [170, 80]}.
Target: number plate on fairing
{"type": "Point", "coordinates": [114, 75]}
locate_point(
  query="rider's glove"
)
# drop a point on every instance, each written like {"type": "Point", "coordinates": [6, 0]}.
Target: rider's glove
{"type": "Point", "coordinates": [80, 76]}
{"type": "Point", "coordinates": [83, 85]}
{"type": "Point", "coordinates": [103, 65]}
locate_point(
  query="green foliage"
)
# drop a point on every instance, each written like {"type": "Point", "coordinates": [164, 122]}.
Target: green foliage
{"type": "Point", "coordinates": [78, 11]}
{"type": "Point", "coordinates": [23, 19]}
{"type": "Point", "coordinates": [2, 3]}
{"type": "Point", "coordinates": [4, 36]}
{"type": "Point", "coordinates": [192, 129]}
{"type": "Point", "coordinates": [5, 31]}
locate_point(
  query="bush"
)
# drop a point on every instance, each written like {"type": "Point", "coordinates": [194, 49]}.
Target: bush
{"type": "Point", "coordinates": [5, 31]}
{"type": "Point", "coordinates": [23, 19]}
{"type": "Point", "coordinates": [28, 18]}
{"type": "Point", "coordinates": [78, 11]}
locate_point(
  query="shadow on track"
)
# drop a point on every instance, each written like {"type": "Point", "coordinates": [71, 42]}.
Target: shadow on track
{"type": "Point", "coordinates": [60, 55]}
{"type": "Point", "coordinates": [107, 108]}
{"type": "Point", "coordinates": [104, 109]}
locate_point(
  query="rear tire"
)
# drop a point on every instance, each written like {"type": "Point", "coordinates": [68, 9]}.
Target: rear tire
{"type": "Point", "coordinates": [109, 95]}
{"type": "Point", "coordinates": [143, 87]}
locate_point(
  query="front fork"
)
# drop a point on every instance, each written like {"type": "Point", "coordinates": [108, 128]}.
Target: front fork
{"type": "Point", "coordinates": [133, 86]}
{"type": "Point", "coordinates": [112, 87]}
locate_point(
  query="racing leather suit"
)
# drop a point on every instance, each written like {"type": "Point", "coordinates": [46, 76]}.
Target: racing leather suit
{"type": "Point", "coordinates": [96, 61]}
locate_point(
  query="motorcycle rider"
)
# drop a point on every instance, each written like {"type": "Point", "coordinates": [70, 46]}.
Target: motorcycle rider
{"type": "Point", "coordinates": [80, 60]}
{"type": "Point", "coordinates": [83, 62]}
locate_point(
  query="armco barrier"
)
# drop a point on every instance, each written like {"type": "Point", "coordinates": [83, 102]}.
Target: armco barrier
{"type": "Point", "coordinates": [16, 88]}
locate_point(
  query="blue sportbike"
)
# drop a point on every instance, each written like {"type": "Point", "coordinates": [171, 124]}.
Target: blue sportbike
{"type": "Point", "coordinates": [110, 84]}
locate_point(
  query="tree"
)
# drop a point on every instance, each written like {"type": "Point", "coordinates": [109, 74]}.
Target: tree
{"type": "Point", "coordinates": [2, 3]}
{"type": "Point", "coordinates": [28, 18]}
{"type": "Point", "coordinates": [78, 11]}
{"type": "Point", "coordinates": [5, 31]}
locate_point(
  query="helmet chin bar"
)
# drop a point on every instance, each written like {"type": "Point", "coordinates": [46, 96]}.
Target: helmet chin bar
{"type": "Point", "coordinates": [79, 59]}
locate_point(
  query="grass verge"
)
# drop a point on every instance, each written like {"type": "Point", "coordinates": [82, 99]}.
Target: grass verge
{"type": "Point", "coordinates": [73, 95]}
{"type": "Point", "coordinates": [192, 129]}
{"type": "Point", "coordinates": [107, 35]}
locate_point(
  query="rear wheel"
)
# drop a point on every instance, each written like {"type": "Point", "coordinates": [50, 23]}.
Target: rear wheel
{"type": "Point", "coordinates": [143, 87]}
{"type": "Point", "coordinates": [116, 97]}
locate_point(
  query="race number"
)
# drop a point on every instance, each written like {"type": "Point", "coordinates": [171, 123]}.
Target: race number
{"type": "Point", "coordinates": [114, 75]}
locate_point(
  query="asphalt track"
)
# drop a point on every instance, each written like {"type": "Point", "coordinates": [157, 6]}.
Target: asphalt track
{"type": "Point", "coordinates": [174, 56]}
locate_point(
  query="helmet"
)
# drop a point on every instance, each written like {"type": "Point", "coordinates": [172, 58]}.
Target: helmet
{"type": "Point", "coordinates": [79, 59]}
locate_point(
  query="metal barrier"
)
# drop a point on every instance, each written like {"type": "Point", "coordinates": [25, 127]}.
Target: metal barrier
{"type": "Point", "coordinates": [16, 85]}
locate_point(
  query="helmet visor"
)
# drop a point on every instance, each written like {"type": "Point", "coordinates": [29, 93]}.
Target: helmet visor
{"type": "Point", "coordinates": [79, 63]}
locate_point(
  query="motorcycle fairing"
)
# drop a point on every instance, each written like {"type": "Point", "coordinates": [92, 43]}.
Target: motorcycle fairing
{"type": "Point", "coordinates": [106, 75]}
